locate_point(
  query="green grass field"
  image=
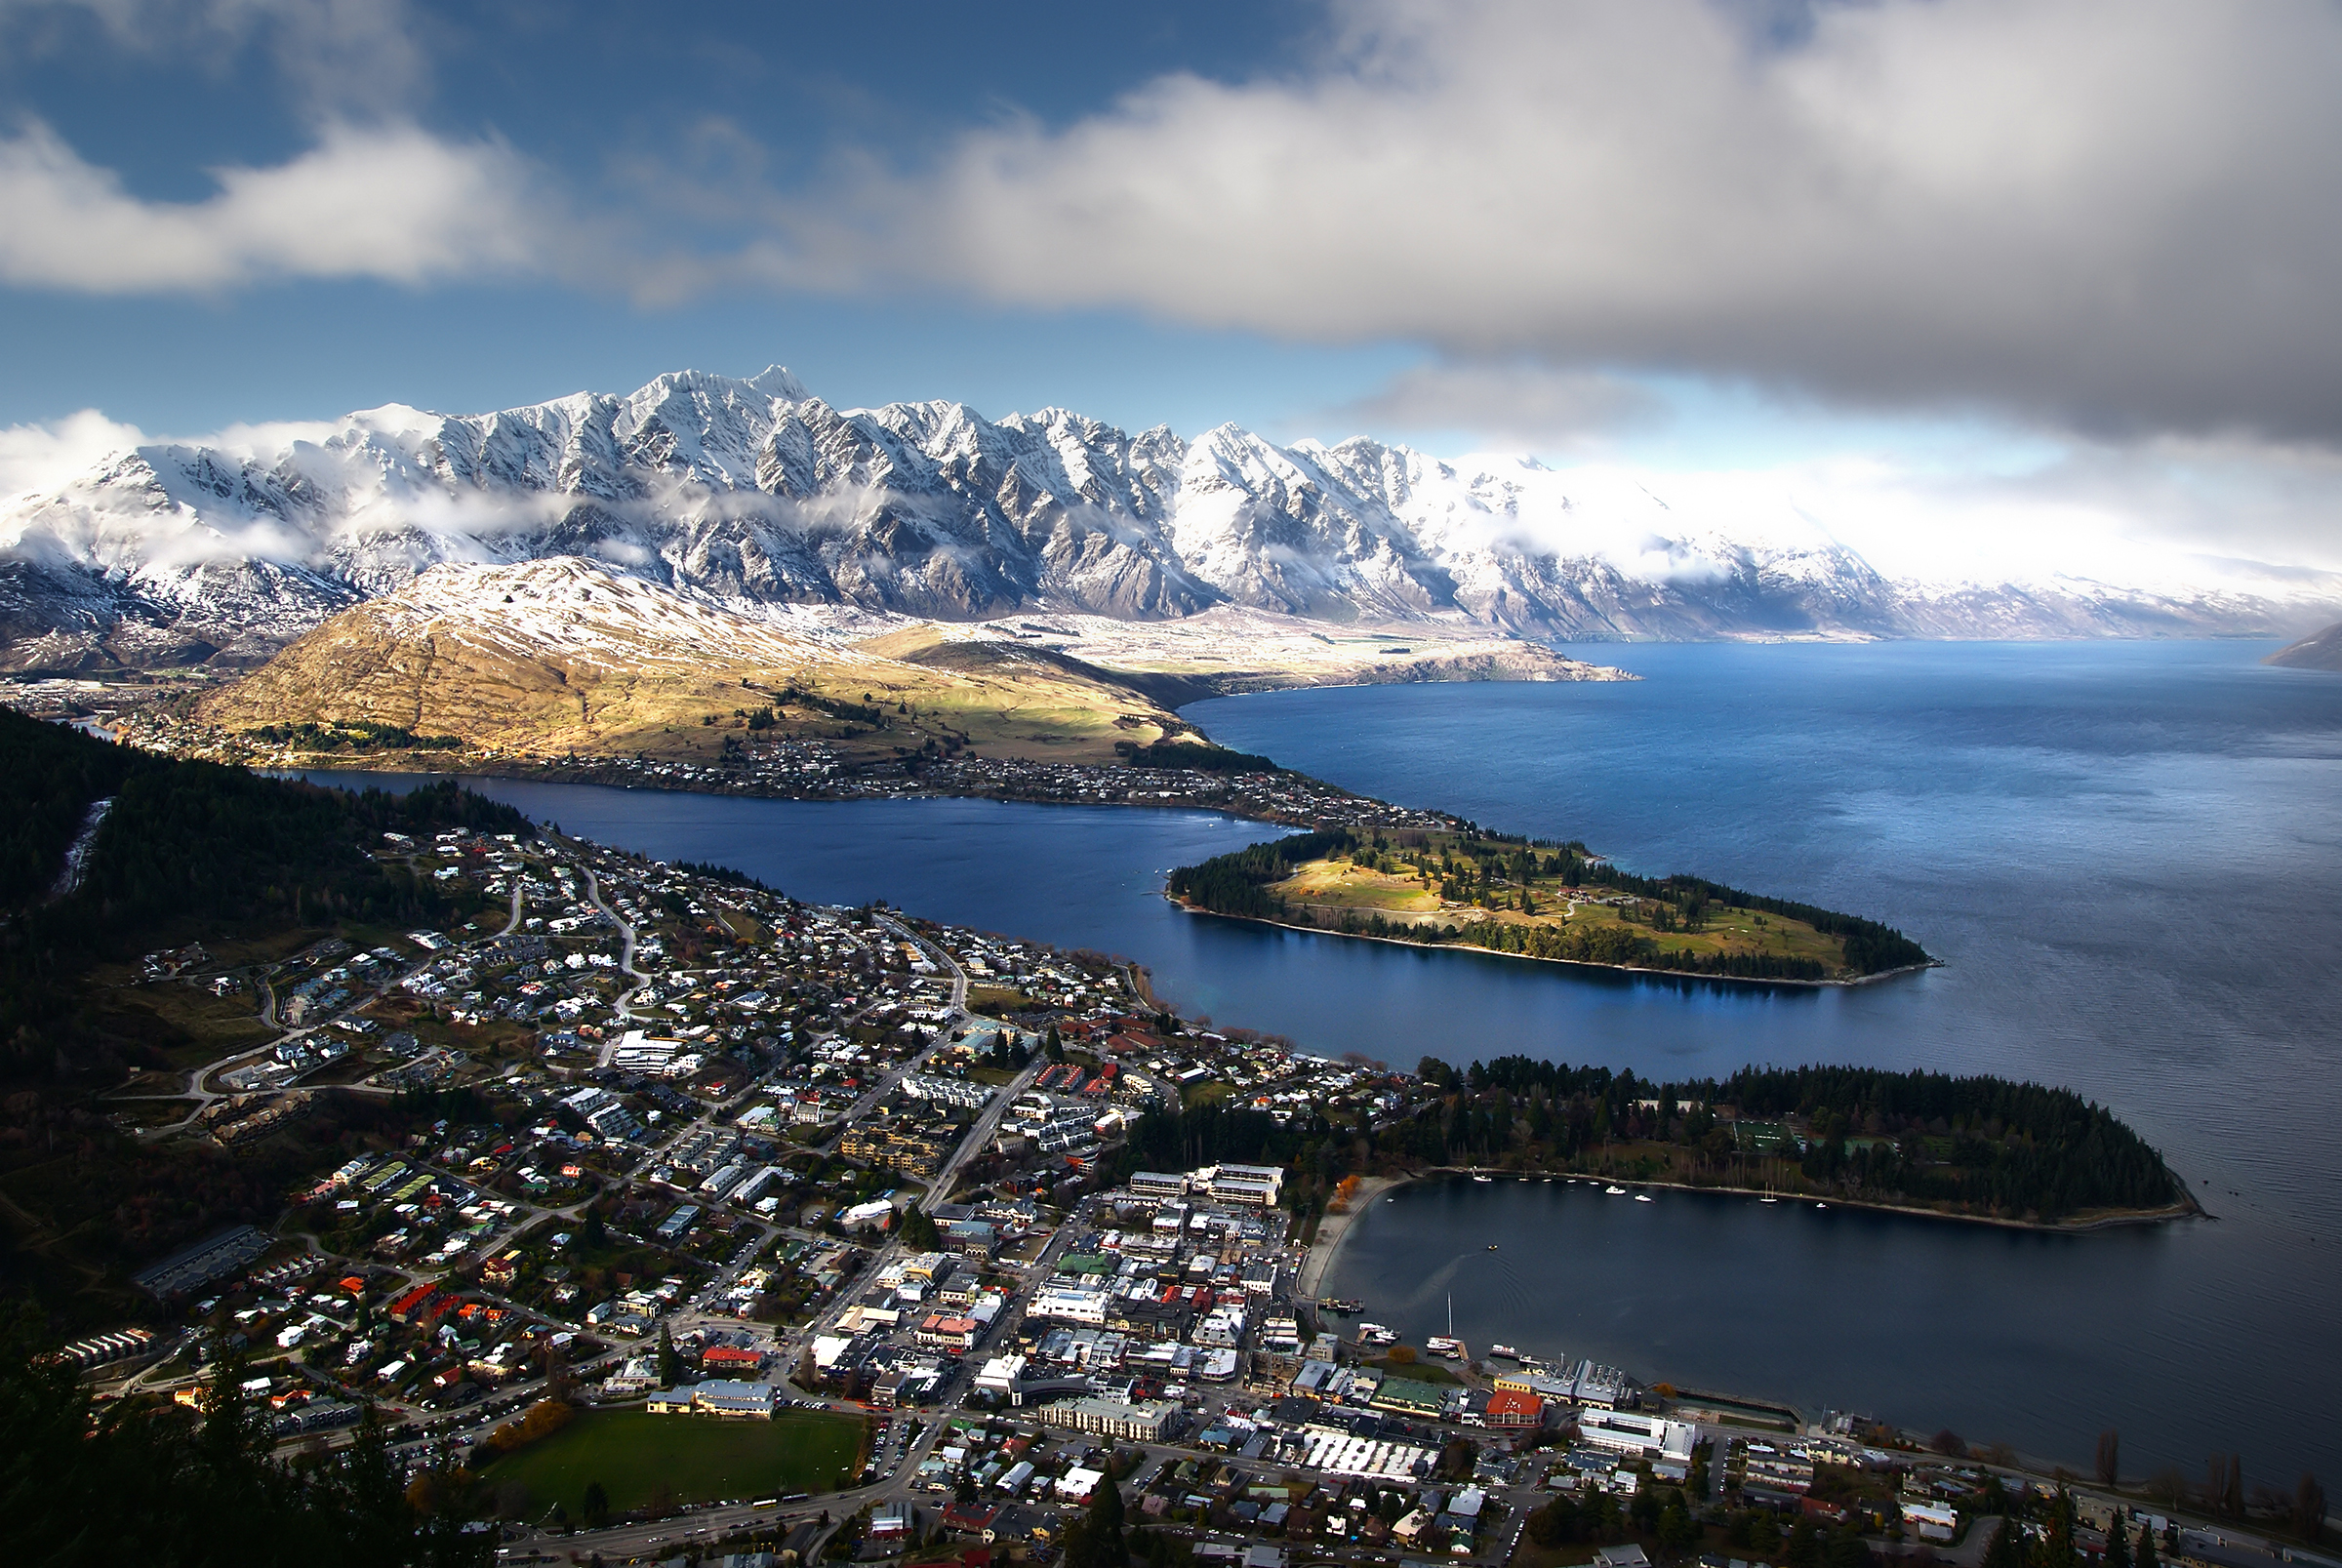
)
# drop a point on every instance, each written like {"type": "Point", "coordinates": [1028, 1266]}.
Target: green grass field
{"type": "Point", "coordinates": [642, 1458]}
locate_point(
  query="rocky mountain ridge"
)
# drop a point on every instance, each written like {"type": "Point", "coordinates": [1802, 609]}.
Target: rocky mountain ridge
{"type": "Point", "coordinates": [755, 494]}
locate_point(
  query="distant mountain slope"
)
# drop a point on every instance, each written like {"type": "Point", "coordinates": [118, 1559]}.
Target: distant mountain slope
{"type": "Point", "coordinates": [2319, 650]}
{"type": "Point", "coordinates": [567, 654]}
{"type": "Point", "coordinates": [755, 494]}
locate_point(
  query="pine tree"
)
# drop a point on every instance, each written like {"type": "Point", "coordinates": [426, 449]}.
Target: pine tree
{"type": "Point", "coordinates": [1096, 1540]}
{"type": "Point", "coordinates": [2004, 1552]}
{"type": "Point", "coordinates": [2146, 1556]}
{"type": "Point", "coordinates": [2117, 1543]}
{"type": "Point", "coordinates": [2058, 1552]}
{"type": "Point", "coordinates": [670, 1365]}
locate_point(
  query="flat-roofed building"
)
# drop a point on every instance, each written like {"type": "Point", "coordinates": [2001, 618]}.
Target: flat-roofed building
{"type": "Point", "coordinates": [1624, 1431]}
{"type": "Point", "coordinates": [1259, 1186]}
{"type": "Point", "coordinates": [724, 1396]}
{"type": "Point", "coordinates": [1111, 1417]}
{"type": "Point", "coordinates": [1404, 1397]}
{"type": "Point", "coordinates": [1158, 1185]}
{"type": "Point", "coordinates": [1071, 1305]}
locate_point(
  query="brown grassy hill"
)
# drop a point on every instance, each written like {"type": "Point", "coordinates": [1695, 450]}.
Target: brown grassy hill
{"type": "Point", "coordinates": [550, 658]}
{"type": "Point", "coordinates": [2319, 650]}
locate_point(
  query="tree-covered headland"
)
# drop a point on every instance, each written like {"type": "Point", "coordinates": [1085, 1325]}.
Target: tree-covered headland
{"type": "Point", "coordinates": [1509, 895]}
{"type": "Point", "coordinates": [1976, 1146]}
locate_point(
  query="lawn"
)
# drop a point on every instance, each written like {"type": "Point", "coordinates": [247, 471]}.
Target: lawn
{"type": "Point", "coordinates": [642, 1458]}
{"type": "Point", "coordinates": [1340, 885]}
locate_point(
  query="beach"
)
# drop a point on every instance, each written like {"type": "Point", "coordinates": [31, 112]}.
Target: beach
{"type": "Point", "coordinates": [1333, 1229]}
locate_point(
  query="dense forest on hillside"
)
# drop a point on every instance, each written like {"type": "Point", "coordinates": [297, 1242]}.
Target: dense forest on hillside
{"type": "Point", "coordinates": [191, 851]}
{"type": "Point", "coordinates": [1971, 1144]}
{"type": "Point", "coordinates": [49, 774]}
{"type": "Point", "coordinates": [154, 1484]}
{"type": "Point", "coordinates": [1241, 882]}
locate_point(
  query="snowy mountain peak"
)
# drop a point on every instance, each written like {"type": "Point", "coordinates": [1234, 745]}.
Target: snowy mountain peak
{"type": "Point", "coordinates": [753, 494]}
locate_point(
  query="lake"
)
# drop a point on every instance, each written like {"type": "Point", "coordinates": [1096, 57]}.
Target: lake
{"type": "Point", "coordinates": [2127, 853]}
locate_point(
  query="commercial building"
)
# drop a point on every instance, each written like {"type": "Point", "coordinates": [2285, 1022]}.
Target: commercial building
{"type": "Point", "coordinates": [1071, 1305]}
{"type": "Point", "coordinates": [1509, 1407]}
{"type": "Point", "coordinates": [1623, 1431]}
{"type": "Point", "coordinates": [1258, 1185]}
{"type": "Point", "coordinates": [1933, 1522]}
{"type": "Point", "coordinates": [1404, 1397]}
{"type": "Point", "coordinates": [716, 1396]}
{"type": "Point", "coordinates": [1111, 1417]}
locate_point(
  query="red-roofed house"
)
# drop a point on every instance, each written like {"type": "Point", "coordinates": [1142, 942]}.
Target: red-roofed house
{"type": "Point", "coordinates": [1507, 1407]}
{"type": "Point", "coordinates": [404, 1308]}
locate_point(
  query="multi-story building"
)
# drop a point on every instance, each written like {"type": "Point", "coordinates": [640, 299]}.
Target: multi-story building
{"type": "Point", "coordinates": [1111, 1418]}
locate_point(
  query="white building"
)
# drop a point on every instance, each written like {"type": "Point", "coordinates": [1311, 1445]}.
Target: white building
{"type": "Point", "coordinates": [1000, 1374]}
{"type": "Point", "coordinates": [1071, 1305]}
{"type": "Point", "coordinates": [1934, 1521]}
{"type": "Point", "coordinates": [1111, 1417]}
{"type": "Point", "coordinates": [1259, 1186]}
{"type": "Point", "coordinates": [1624, 1431]}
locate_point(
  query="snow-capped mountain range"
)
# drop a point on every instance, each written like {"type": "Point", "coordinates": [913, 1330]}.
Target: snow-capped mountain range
{"type": "Point", "coordinates": [757, 495]}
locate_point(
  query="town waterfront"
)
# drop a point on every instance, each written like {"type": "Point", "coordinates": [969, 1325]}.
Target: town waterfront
{"type": "Point", "coordinates": [2126, 854]}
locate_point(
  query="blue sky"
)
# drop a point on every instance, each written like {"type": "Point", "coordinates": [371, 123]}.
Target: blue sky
{"type": "Point", "coordinates": [2018, 266]}
{"type": "Point", "coordinates": [583, 89]}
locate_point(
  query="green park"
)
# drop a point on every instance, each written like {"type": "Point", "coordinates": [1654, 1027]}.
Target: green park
{"type": "Point", "coordinates": [642, 1461]}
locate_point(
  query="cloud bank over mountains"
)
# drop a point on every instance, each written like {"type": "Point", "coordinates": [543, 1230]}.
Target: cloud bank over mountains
{"type": "Point", "coordinates": [757, 495]}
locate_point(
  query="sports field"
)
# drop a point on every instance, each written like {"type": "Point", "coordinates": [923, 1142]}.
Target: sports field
{"type": "Point", "coordinates": [642, 1458]}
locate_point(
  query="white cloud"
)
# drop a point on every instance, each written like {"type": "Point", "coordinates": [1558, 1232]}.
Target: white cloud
{"type": "Point", "coordinates": [1513, 402]}
{"type": "Point", "coordinates": [387, 202]}
{"type": "Point", "coordinates": [2114, 214]}
{"type": "Point", "coordinates": [42, 457]}
{"type": "Point", "coordinates": [2170, 515]}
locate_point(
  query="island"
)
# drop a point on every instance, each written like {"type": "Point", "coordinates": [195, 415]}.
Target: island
{"type": "Point", "coordinates": [1457, 884]}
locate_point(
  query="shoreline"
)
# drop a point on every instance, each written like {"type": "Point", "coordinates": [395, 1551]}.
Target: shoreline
{"type": "Point", "coordinates": [1326, 1248]}
{"type": "Point", "coordinates": [1566, 963]}
{"type": "Point", "coordinates": [2187, 1210]}
{"type": "Point", "coordinates": [560, 773]}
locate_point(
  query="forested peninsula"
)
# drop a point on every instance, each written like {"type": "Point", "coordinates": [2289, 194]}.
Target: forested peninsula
{"type": "Point", "coordinates": [1981, 1148]}
{"type": "Point", "coordinates": [1469, 888]}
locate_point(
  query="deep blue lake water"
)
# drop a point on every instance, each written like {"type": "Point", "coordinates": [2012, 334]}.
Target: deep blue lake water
{"type": "Point", "coordinates": [2127, 853]}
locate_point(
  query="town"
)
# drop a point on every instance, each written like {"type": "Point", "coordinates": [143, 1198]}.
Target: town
{"type": "Point", "coordinates": [823, 1231]}
{"type": "Point", "coordinates": [792, 768]}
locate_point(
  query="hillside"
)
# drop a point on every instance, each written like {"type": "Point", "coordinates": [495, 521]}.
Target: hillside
{"type": "Point", "coordinates": [549, 658]}
{"type": "Point", "coordinates": [253, 868]}
{"type": "Point", "coordinates": [757, 495]}
{"type": "Point", "coordinates": [568, 656]}
{"type": "Point", "coordinates": [2319, 650]}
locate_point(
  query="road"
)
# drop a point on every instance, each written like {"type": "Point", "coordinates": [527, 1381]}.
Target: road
{"type": "Point", "coordinates": [625, 957]}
